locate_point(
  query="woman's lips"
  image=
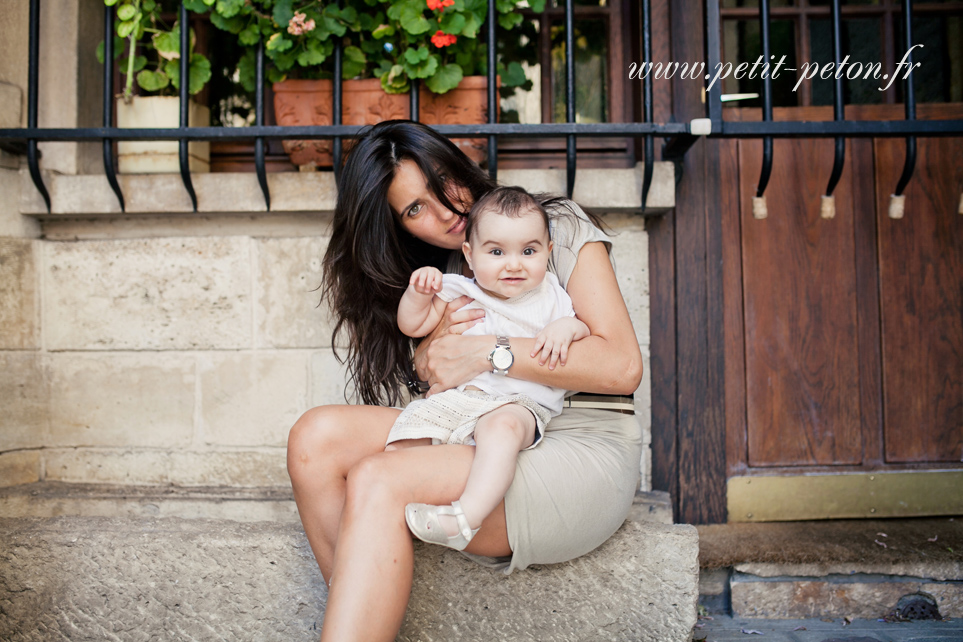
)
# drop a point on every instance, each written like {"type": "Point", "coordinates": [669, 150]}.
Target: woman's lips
{"type": "Point", "coordinates": [459, 226]}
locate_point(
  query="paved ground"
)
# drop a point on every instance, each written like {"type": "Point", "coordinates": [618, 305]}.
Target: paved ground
{"type": "Point", "coordinates": [728, 629]}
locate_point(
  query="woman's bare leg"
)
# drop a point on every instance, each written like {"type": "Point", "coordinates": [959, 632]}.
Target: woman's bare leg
{"type": "Point", "coordinates": [324, 445]}
{"type": "Point", "coordinates": [373, 558]}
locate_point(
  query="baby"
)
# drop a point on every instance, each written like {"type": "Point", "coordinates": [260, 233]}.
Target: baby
{"type": "Point", "coordinates": [507, 247]}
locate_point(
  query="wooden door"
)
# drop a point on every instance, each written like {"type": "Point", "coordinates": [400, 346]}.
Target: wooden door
{"type": "Point", "coordinates": [844, 336]}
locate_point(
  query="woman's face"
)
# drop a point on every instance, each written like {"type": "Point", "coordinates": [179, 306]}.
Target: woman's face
{"type": "Point", "coordinates": [420, 211]}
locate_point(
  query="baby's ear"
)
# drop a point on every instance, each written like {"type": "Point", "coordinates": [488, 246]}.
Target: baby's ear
{"type": "Point", "coordinates": [466, 250]}
{"type": "Point", "coordinates": [551, 245]}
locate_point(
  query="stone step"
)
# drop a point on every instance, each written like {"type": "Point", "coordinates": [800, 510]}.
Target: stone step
{"type": "Point", "coordinates": [867, 569]}
{"type": "Point", "coordinates": [147, 578]}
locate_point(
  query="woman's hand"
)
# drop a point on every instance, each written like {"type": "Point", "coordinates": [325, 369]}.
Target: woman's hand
{"type": "Point", "coordinates": [454, 322]}
{"type": "Point", "coordinates": [455, 359]}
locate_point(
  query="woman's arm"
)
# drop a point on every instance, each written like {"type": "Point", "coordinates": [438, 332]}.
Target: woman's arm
{"type": "Point", "coordinates": [608, 361]}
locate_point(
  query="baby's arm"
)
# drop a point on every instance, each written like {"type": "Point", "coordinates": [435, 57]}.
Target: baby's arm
{"type": "Point", "coordinates": [419, 310]}
{"type": "Point", "coordinates": [555, 338]}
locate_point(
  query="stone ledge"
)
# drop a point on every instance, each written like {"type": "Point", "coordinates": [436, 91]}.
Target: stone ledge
{"type": "Point", "coordinates": [604, 190]}
{"type": "Point", "coordinates": [135, 579]}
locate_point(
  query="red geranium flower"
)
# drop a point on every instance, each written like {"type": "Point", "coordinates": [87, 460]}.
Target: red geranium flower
{"type": "Point", "coordinates": [442, 39]}
{"type": "Point", "coordinates": [438, 5]}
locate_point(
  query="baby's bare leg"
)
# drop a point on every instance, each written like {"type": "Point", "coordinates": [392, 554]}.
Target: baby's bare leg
{"type": "Point", "coordinates": [499, 436]}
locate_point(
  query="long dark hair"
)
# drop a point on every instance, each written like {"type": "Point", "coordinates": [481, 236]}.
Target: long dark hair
{"type": "Point", "coordinates": [370, 256]}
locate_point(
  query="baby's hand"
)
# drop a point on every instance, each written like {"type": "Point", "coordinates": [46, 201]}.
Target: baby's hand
{"type": "Point", "coordinates": [553, 341]}
{"type": "Point", "coordinates": [426, 280]}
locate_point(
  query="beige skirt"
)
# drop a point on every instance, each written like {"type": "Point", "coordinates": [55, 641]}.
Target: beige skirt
{"type": "Point", "coordinates": [574, 491]}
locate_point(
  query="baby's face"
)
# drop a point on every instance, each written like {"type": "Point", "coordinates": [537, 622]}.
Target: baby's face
{"type": "Point", "coordinates": [509, 256]}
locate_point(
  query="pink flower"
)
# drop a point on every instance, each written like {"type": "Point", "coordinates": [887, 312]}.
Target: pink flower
{"type": "Point", "coordinates": [298, 25]}
{"type": "Point", "coordinates": [441, 39]}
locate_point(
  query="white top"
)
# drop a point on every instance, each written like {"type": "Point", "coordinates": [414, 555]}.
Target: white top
{"type": "Point", "coordinates": [522, 316]}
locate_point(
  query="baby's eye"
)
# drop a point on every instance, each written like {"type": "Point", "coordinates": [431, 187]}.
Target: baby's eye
{"type": "Point", "coordinates": [496, 252]}
{"type": "Point", "coordinates": [528, 251]}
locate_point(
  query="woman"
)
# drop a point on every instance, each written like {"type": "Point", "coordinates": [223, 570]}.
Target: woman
{"type": "Point", "coordinates": [402, 195]}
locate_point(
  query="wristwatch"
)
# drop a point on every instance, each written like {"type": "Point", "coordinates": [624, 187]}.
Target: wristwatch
{"type": "Point", "coordinates": [501, 356]}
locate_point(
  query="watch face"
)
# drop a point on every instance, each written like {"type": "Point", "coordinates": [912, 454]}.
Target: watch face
{"type": "Point", "coordinates": [502, 359]}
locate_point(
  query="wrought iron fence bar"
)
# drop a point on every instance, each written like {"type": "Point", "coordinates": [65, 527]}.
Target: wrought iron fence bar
{"type": "Point", "coordinates": [766, 101]}
{"type": "Point", "coordinates": [259, 121]}
{"type": "Point", "coordinates": [338, 98]}
{"type": "Point", "coordinates": [33, 81]}
{"type": "Point", "coordinates": [728, 129]}
{"type": "Point", "coordinates": [413, 97]}
{"type": "Point", "coordinates": [108, 144]}
{"type": "Point", "coordinates": [713, 36]}
{"type": "Point", "coordinates": [909, 99]}
{"type": "Point", "coordinates": [185, 98]}
{"type": "Point", "coordinates": [570, 149]}
{"type": "Point", "coordinates": [839, 109]}
{"type": "Point", "coordinates": [493, 106]}
{"type": "Point", "coordinates": [649, 148]}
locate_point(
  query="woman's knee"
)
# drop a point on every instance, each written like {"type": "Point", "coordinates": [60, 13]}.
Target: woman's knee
{"type": "Point", "coordinates": [317, 435]}
{"type": "Point", "coordinates": [373, 480]}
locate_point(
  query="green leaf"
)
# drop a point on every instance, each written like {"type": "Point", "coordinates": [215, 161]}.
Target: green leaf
{"type": "Point", "coordinates": [124, 29]}
{"type": "Point", "coordinates": [152, 80]}
{"type": "Point", "coordinates": [283, 12]}
{"type": "Point", "coordinates": [250, 35]}
{"type": "Point", "coordinates": [126, 12]}
{"type": "Point", "coordinates": [148, 5]}
{"type": "Point", "coordinates": [109, 3]}
{"type": "Point", "coordinates": [472, 25]}
{"type": "Point", "coordinates": [505, 6]}
{"type": "Point", "coordinates": [510, 20]}
{"type": "Point", "coordinates": [234, 24]}
{"type": "Point", "coordinates": [452, 23]}
{"type": "Point", "coordinates": [275, 75]}
{"type": "Point", "coordinates": [168, 41]}
{"type": "Point", "coordinates": [333, 25]}
{"type": "Point", "coordinates": [246, 70]}
{"type": "Point", "coordinates": [312, 54]}
{"type": "Point", "coordinates": [513, 76]}
{"type": "Point", "coordinates": [353, 62]}
{"type": "Point", "coordinates": [140, 62]}
{"type": "Point", "coordinates": [423, 69]}
{"type": "Point", "coordinates": [445, 79]}
{"type": "Point", "coordinates": [383, 31]}
{"type": "Point", "coordinates": [100, 52]}
{"type": "Point", "coordinates": [200, 73]}
{"type": "Point", "coordinates": [537, 6]}
{"type": "Point", "coordinates": [278, 43]}
{"type": "Point", "coordinates": [394, 81]}
{"type": "Point", "coordinates": [415, 56]}
{"type": "Point", "coordinates": [413, 21]}
{"type": "Point", "coordinates": [229, 8]}
{"type": "Point", "coordinates": [198, 6]}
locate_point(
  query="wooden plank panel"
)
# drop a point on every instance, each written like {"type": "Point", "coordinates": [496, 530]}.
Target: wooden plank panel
{"type": "Point", "coordinates": [735, 345]}
{"type": "Point", "coordinates": [921, 300]}
{"type": "Point", "coordinates": [799, 285]}
{"type": "Point", "coordinates": [867, 301]}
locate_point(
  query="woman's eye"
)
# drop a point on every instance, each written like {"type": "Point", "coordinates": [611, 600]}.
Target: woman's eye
{"type": "Point", "coordinates": [414, 210]}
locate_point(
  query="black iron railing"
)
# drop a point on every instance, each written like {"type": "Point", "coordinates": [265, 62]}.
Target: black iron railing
{"type": "Point", "coordinates": [679, 137]}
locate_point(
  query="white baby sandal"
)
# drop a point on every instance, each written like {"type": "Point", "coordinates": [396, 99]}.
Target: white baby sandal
{"type": "Point", "coordinates": [423, 521]}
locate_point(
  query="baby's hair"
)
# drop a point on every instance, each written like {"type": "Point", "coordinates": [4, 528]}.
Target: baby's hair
{"type": "Point", "coordinates": [513, 202]}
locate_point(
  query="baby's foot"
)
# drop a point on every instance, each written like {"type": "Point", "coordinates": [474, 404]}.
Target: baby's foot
{"type": "Point", "coordinates": [444, 525]}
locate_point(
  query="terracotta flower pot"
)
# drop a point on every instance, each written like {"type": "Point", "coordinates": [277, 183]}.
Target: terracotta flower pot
{"type": "Point", "coordinates": [309, 102]}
